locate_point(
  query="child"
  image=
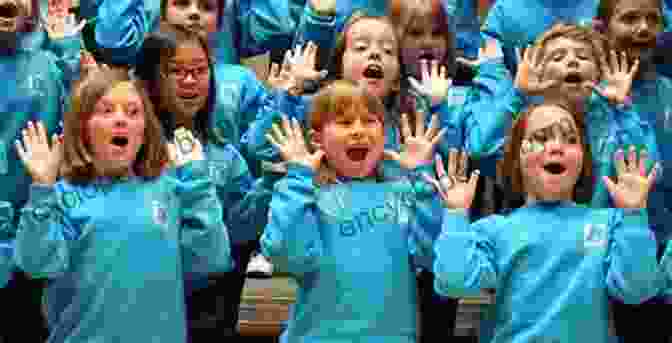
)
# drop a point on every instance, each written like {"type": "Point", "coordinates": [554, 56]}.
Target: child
{"type": "Point", "coordinates": [517, 23]}
{"type": "Point", "coordinates": [116, 274]}
{"type": "Point", "coordinates": [553, 263]}
{"type": "Point", "coordinates": [343, 231]}
{"type": "Point", "coordinates": [182, 83]}
{"type": "Point", "coordinates": [632, 26]}
{"type": "Point", "coordinates": [35, 85]}
{"type": "Point", "coordinates": [239, 29]}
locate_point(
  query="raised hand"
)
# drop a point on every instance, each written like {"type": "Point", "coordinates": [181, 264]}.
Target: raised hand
{"type": "Point", "coordinates": [302, 63]}
{"type": "Point", "coordinates": [633, 185]}
{"type": "Point", "coordinates": [291, 143]}
{"type": "Point", "coordinates": [456, 190]}
{"type": "Point", "coordinates": [323, 6]}
{"type": "Point", "coordinates": [42, 161]}
{"type": "Point", "coordinates": [185, 148]}
{"type": "Point", "coordinates": [488, 52]}
{"type": "Point", "coordinates": [417, 147]}
{"type": "Point", "coordinates": [528, 78]}
{"type": "Point", "coordinates": [435, 83]}
{"type": "Point", "coordinates": [59, 23]}
{"type": "Point", "coordinates": [280, 77]}
{"type": "Point", "coordinates": [618, 77]}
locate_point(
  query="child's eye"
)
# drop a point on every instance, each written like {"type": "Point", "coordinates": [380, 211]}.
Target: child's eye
{"type": "Point", "coordinates": [181, 3]}
{"type": "Point", "coordinates": [573, 140]}
{"type": "Point", "coordinates": [360, 47]}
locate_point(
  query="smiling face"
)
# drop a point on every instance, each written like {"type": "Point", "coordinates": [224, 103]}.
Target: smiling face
{"type": "Point", "coordinates": [353, 141]}
{"type": "Point", "coordinates": [199, 16]}
{"type": "Point", "coordinates": [551, 155]}
{"type": "Point", "coordinates": [572, 63]}
{"type": "Point", "coordinates": [185, 83]}
{"type": "Point", "coordinates": [115, 130]}
{"type": "Point", "coordinates": [371, 56]}
{"type": "Point", "coordinates": [633, 26]}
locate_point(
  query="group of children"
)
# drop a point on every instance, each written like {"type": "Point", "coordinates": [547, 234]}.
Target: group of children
{"type": "Point", "coordinates": [141, 176]}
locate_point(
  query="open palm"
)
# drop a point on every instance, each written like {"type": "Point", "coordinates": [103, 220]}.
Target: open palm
{"type": "Point", "coordinates": [417, 147]}
{"type": "Point", "coordinates": [291, 143]}
{"type": "Point", "coordinates": [41, 160]}
{"type": "Point", "coordinates": [633, 183]}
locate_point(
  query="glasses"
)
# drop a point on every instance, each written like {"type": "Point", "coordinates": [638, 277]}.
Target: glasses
{"type": "Point", "coordinates": [181, 74]}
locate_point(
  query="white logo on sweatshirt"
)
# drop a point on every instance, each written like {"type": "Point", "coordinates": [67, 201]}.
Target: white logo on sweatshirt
{"type": "Point", "coordinates": [159, 213]}
{"type": "Point", "coordinates": [595, 235]}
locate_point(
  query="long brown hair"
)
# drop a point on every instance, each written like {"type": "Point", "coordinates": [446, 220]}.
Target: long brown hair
{"type": "Point", "coordinates": [332, 102]}
{"type": "Point", "coordinates": [509, 166]}
{"type": "Point", "coordinates": [77, 164]}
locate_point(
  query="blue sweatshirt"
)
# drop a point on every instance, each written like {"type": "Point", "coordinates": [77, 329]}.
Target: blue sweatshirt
{"type": "Point", "coordinates": [115, 252]}
{"type": "Point", "coordinates": [246, 28]}
{"type": "Point", "coordinates": [348, 246]}
{"type": "Point", "coordinates": [553, 265]}
{"type": "Point", "coordinates": [517, 23]}
{"type": "Point", "coordinates": [35, 88]}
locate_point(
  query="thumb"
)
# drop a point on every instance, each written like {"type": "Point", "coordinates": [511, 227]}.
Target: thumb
{"type": "Point", "coordinates": [611, 186]}
{"type": "Point", "coordinates": [391, 155]}
{"type": "Point", "coordinates": [416, 84]}
{"type": "Point", "coordinates": [471, 63]}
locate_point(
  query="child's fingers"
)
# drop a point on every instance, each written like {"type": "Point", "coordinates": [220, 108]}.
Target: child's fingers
{"type": "Point", "coordinates": [632, 160]}
{"type": "Point", "coordinates": [433, 127]}
{"type": "Point", "coordinates": [619, 162]}
{"type": "Point", "coordinates": [634, 68]}
{"type": "Point", "coordinates": [439, 136]}
{"type": "Point", "coordinates": [463, 166]}
{"type": "Point", "coordinates": [610, 185]}
{"type": "Point", "coordinates": [405, 126]}
{"type": "Point", "coordinates": [643, 160]}
{"type": "Point", "coordinates": [440, 169]}
{"type": "Point", "coordinates": [424, 70]}
{"type": "Point", "coordinates": [452, 161]}
{"type": "Point", "coordinates": [614, 61]}
{"type": "Point", "coordinates": [416, 85]}
{"type": "Point", "coordinates": [275, 71]}
{"type": "Point", "coordinates": [651, 179]}
{"type": "Point", "coordinates": [419, 123]}
{"type": "Point", "coordinates": [473, 180]}
{"type": "Point", "coordinates": [21, 151]}
{"type": "Point", "coordinates": [277, 133]}
{"type": "Point", "coordinates": [42, 132]}
{"type": "Point", "coordinates": [435, 69]}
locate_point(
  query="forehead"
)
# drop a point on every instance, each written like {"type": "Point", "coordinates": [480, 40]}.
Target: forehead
{"type": "Point", "coordinates": [369, 28]}
{"type": "Point", "coordinates": [189, 52]}
{"type": "Point", "coordinates": [563, 43]}
{"type": "Point", "coordinates": [545, 116]}
{"type": "Point", "coordinates": [622, 6]}
{"type": "Point", "coordinates": [122, 92]}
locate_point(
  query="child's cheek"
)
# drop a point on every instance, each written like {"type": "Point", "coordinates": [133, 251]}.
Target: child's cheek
{"type": "Point", "coordinates": [574, 155]}
{"type": "Point", "coordinates": [532, 163]}
{"type": "Point", "coordinates": [212, 24]}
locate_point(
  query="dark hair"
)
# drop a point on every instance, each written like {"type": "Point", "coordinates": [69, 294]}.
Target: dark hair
{"type": "Point", "coordinates": [158, 46]}
{"type": "Point", "coordinates": [509, 166]}
{"type": "Point", "coordinates": [77, 163]}
{"type": "Point", "coordinates": [605, 10]}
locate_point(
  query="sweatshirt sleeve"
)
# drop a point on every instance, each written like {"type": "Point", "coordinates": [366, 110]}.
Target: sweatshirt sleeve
{"type": "Point", "coordinates": [264, 25]}
{"type": "Point", "coordinates": [67, 52]}
{"type": "Point", "coordinates": [465, 256]}
{"type": "Point", "coordinates": [121, 26]}
{"type": "Point", "coordinates": [45, 235]}
{"type": "Point", "coordinates": [292, 238]}
{"type": "Point", "coordinates": [254, 140]}
{"type": "Point", "coordinates": [204, 237]}
{"type": "Point", "coordinates": [632, 269]}
{"type": "Point", "coordinates": [320, 30]}
{"type": "Point", "coordinates": [425, 219]}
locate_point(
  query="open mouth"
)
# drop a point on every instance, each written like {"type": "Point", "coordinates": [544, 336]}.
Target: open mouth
{"type": "Point", "coordinates": [357, 154]}
{"type": "Point", "coordinates": [120, 141]}
{"type": "Point", "coordinates": [555, 168]}
{"type": "Point", "coordinates": [573, 78]}
{"type": "Point", "coordinates": [9, 11]}
{"type": "Point", "coordinates": [373, 71]}
{"type": "Point", "coordinates": [189, 97]}
{"type": "Point", "coordinates": [427, 56]}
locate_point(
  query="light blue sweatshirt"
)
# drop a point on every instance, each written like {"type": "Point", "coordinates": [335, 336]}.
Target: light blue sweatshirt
{"type": "Point", "coordinates": [115, 252]}
{"type": "Point", "coordinates": [553, 265]}
{"type": "Point", "coordinates": [353, 248]}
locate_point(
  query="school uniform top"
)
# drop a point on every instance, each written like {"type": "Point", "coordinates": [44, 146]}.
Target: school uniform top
{"type": "Point", "coordinates": [353, 248]}
{"type": "Point", "coordinates": [116, 250]}
{"type": "Point", "coordinates": [553, 266]}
